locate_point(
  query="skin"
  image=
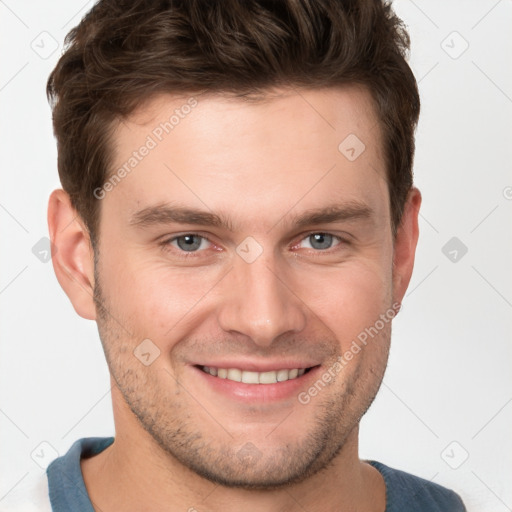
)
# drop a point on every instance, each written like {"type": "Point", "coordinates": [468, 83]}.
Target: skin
{"type": "Point", "coordinates": [181, 443]}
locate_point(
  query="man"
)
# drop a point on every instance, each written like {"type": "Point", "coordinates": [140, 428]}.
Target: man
{"type": "Point", "coordinates": [238, 217]}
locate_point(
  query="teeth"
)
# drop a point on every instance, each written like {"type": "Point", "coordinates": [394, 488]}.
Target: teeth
{"type": "Point", "coordinates": [282, 375]}
{"type": "Point", "coordinates": [234, 374]}
{"type": "Point", "coordinates": [268, 377]}
{"type": "Point", "coordinates": [248, 377]}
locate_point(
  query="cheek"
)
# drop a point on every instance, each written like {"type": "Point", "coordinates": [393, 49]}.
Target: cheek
{"type": "Point", "coordinates": [347, 299]}
{"type": "Point", "coordinates": [163, 303]}
{"type": "Point", "coordinates": [155, 300]}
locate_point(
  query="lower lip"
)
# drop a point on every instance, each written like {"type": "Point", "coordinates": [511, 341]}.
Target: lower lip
{"type": "Point", "coordinates": [258, 392]}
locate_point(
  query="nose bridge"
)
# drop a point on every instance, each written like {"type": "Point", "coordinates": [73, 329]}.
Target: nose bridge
{"type": "Point", "coordinates": [259, 304]}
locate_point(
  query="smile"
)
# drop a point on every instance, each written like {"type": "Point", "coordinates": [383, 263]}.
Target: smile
{"type": "Point", "coordinates": [250, 377]}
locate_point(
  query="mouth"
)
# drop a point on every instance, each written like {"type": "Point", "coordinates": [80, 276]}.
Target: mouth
{"type": "Point", "coordinates": [253, 377]}
{"type": "Point", "coordinates": [255, 382]}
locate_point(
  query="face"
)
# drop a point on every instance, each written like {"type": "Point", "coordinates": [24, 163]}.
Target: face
{"type": "Point", "coordinates": [241, 258]}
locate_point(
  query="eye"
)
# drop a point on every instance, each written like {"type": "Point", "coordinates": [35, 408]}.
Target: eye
{"type": "Point", "coordinates": [189, 242]}
{"type": "Point", "coordinates": [319, 241]}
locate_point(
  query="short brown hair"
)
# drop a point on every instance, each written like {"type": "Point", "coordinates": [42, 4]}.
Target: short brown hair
{"type": "Point", "coordinates": [124, 52]}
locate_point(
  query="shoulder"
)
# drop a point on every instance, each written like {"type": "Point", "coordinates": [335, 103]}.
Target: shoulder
{"type": "Point", "coordinates": [61, 487]}
{"type": "Point", "coordinates": [66, 485]}
{"type": "Point", "coordinates": [405, 491]}
{"type": "Point", "coordinates": [29, 495]}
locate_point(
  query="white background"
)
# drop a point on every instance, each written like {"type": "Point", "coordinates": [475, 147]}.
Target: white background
{"type": "Point", "coordinates": [447, 393]}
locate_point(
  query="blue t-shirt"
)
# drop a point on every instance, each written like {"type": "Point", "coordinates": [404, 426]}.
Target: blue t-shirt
{"type": "Point", "coordinates": [404, 492]}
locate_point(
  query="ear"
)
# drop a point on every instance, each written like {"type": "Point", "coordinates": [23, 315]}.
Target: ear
{"type": "Point", "coordinates": [406, 240]}
{"type": "Point", "coordinates": [72, 254]}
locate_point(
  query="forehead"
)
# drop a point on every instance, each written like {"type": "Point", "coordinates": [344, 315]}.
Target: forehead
{"type": "Point", "coordinates": [293, 149]}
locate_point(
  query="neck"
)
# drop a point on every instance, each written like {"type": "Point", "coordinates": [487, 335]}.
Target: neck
{"type": "Point", "coordinates": [135, 473]}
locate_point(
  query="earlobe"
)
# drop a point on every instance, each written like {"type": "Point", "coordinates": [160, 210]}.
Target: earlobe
{"type": "Point", "coordinates": [405, 245]}
{"type": "Point", "coordinates": [73, 256]}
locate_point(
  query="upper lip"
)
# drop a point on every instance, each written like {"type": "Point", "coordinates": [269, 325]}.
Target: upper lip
{"type": "Point", "coordinates": [259, 366]}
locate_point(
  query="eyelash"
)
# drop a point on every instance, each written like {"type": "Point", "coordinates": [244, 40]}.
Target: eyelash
{"type": "Point", "coordinates": [166, 244]}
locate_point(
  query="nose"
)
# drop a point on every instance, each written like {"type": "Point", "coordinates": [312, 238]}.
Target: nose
{"type": "Point", "coordinates": [257, 302]}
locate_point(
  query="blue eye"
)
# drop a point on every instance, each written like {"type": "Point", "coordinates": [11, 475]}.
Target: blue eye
{"type": "Point", "coordinates": [321, 241]}
{"type": "Point", "coordinates": [189, 242]}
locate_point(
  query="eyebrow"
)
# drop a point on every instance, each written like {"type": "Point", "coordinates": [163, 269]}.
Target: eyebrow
{"type": "Point", "coordinates": [353, 210]}
{"type": "Point", "coordinates": [166, 214]}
